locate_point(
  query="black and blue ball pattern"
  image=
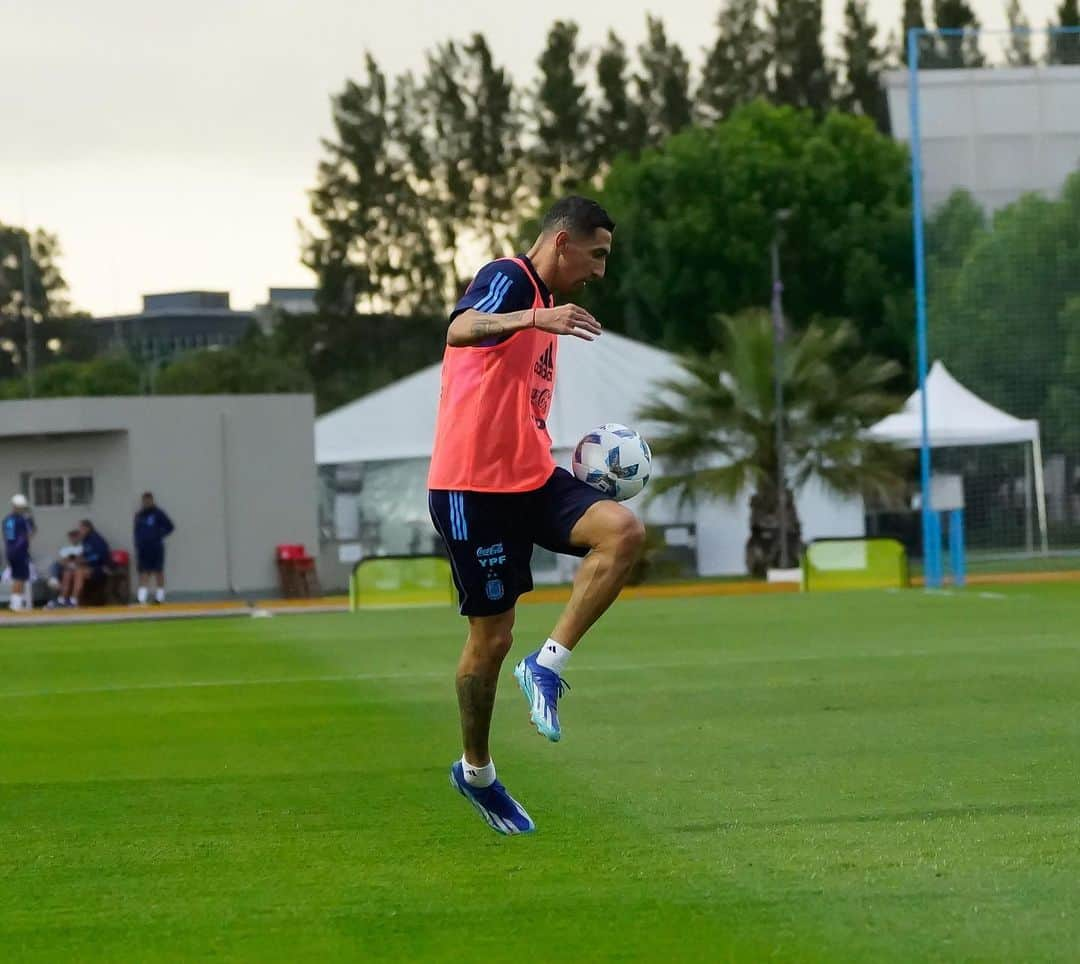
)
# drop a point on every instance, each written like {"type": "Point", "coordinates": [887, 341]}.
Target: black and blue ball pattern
{"type": "Point", "coordinates": [614, 459]}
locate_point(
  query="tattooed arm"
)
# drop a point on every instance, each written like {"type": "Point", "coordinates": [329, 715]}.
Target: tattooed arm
{"type": "Point", "coordinates": [473, 327]}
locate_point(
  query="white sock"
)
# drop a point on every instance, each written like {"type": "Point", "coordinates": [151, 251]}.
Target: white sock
{"type": "Point", "coordinates": [478, 776]}
{"type": "Point", "coordinates": [72, 601]}
{"type": "Point", "coordinates": [554, 656]}
{"type": "Point", "coordinates": [16, 603]}
{"type": "Point", "coordinates": [160, 595]}
{"type": "Point", "coordinates": [143, 594]}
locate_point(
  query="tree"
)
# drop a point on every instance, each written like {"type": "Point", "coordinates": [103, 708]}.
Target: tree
{"type": "Point", "coordinates": [718, 425]}
{"type": "Point", "coordinates": [801, 75]}
{"type": "Point", "coordinates": [562, 155]}
{"type": "Point", "coordinates": [736, 66]}
{"type": "Point", "coordinates": [360, 353]}
{"type": "Point", "coordinates": [474, 129]}
{"type": "Point", "coordinates": [1065, 47]}
{"type": "Point", "coordinates": [1001, 317]}
{"type": "Point", "coordinates": [696, 218]}
{"type": "Point", "coordinates": [863, 92]}
{"type": "Point", "coordinates": [57, 332]}
{"type": "Point", "coordinates": [955, 51]}
{"type": "Point", "coordinates": [617, 125]}
{"type": "Point", "coordinates": [108, 375]}
{"type": "Point", "coordinates": [914, 19]}
{"type": "Point", "coordinates": [249, 367]}
{"type": "Point", "coordinates": [663, 86]}
{"type": "Point", "coordinates": [1018, 51]}
{"type": "Point", "coordinates": [356, 201]}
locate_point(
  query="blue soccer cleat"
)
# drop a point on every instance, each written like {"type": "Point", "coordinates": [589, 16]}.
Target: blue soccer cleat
{"type": "Point", "coordinates": [542, 688]}
{"type": "Point", "coordinates": [500, 810]}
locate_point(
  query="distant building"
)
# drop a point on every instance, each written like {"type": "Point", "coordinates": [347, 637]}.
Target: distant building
{"type": "Point", "coordinates": [173, 323]}
{"type": "Point", "coordinates": [996, 133]}
{"type": "Point", "coordinates": [180, 321]}
{"type": "Point", "coordinates": [290, 301]}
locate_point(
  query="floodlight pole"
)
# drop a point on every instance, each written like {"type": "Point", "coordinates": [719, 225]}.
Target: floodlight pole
{"type": "Point", "coordinates": [778, 383]}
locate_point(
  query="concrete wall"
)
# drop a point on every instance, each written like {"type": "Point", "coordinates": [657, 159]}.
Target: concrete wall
{"type": "Point", "coordinates": [235, 472]}
{"type": "Point", "coordinates": [998, 133]}
{"type": "Point", "coordinates": [104, 454]}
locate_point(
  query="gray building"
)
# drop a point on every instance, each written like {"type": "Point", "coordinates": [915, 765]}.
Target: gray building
{"type": "Point", "coordinates": [997, 133]}
{"type": "Point", "coordinates": [179, 321]}
{"type": "Point", "coordinates": [173, 323]}
{"type": "Point", "coordinates": [284, 301]}
{"type": "Point", "coordinates": [235, 472]}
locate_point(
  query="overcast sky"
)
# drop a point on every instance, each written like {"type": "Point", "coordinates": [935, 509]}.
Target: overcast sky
{"type": "Point", "coordinates": [170, 146]}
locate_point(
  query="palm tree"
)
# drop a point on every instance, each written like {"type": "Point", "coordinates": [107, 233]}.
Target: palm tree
{"type": "Point", "coordinates": [717, 435]}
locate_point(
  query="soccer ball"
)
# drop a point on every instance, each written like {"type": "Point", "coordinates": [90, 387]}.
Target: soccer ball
{"type": "Point", "coordinates": [614, 459]}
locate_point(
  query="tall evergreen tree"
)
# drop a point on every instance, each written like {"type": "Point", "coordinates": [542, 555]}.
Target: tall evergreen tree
{"type": "Point", "coordinates": [562, 154]}
{"type": "Point", "coordinates": [1018, 48]}
{"type": "Point", "coordinates": [495, 154]}
{"type": "Point", "coordinates": [957, 51]}
{"type": "Point", "coordinates": [863, 92]}
{"type": "Point", "coordinates": [473, 129]}
{"type": "Point", "coordinates": [617, 124]}
{"type": "Point", "coordinates": [354, 199]}
{"type": "Point", "coordinates": [736, 66]}
{"type": "Point", "coordinates": [801, 75]}
{"type": "Point", "coordinates": [663, 86]}
{"type": "Point", "coordinates": [914, 18]}
{"type": "Point", "coordinates": [1065, 47]}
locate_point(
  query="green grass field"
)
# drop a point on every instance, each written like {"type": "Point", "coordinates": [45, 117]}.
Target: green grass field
{"type": "Point", "coordinates": [848, 777]}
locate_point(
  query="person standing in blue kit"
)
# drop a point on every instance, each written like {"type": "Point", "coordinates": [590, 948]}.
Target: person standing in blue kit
{"type": "Point", "coordinates": [152, 526]}
{"type": "Point", "coordinates": [18, 527]}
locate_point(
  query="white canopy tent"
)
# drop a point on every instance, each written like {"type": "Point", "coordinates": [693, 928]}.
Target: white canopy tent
{"type": "Point", "coordinates": [956, 417]}
{"type": "Point", "coordinates": [601, 381]}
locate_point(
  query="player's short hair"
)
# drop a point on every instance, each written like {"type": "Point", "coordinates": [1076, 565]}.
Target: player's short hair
{"type": "Point", "coordinates": [577, 214]}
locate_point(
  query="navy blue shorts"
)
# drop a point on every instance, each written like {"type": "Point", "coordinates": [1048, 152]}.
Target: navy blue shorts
{"type": "Point", "coordinates": [150, 558]}
{"type": "Point", "coordinates": [490, 536]}
{"type": "Point", "coordinates": [20, 567]}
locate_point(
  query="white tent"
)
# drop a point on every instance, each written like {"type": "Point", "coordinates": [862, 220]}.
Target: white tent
{"type": "Point", "coordinates": [601, 381]}
{"type": "Point", "coordinates": [957, 416]}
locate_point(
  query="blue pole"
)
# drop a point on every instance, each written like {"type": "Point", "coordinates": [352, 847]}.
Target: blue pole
{"type": "Point", "coordinates": [956, 547]}
{"type": "Point", "coordinates": [931, 545]}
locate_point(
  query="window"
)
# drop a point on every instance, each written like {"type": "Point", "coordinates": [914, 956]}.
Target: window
{"type": "Point", "coordinates": [59, 489]}
{"type": "Point", "coordinates": [47, 490]}
{"type": "Point", "coordinates": [80, 489]}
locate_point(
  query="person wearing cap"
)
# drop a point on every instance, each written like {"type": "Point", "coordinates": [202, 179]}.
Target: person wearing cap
{"type": "Point", "coordinates": [18, 527]}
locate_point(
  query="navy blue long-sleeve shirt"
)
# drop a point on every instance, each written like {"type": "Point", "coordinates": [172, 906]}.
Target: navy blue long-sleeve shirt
{"type": "Point", "coordinates": [96, 552]}
{"type": "Point", "coordinates": [17, 531]}
{"type": "Point", "coordinates": [152, 526]}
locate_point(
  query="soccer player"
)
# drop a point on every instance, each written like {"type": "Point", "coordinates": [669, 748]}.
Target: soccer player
{"type": "Point", "coordinates": [18, 528]}
{"type": "Point", "coordinates": [152, 525]}
{"type": "Point", "coordinates": [95, 560]}
{"type": "Point", "coordinates": [495, 492]}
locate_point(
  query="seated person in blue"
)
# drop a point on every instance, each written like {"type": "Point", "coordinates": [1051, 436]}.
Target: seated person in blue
{"type": "Point", "coordinates": [96, 561]}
